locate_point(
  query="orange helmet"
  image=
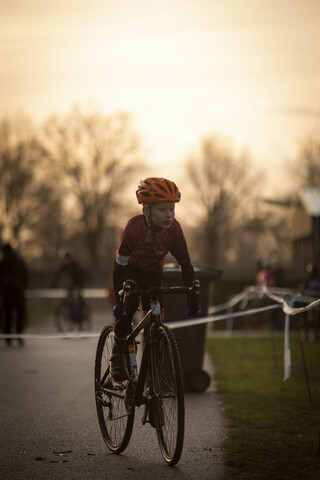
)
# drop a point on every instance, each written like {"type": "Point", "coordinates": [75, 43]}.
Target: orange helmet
{"type": "Point", "coordinates": [154, 189]}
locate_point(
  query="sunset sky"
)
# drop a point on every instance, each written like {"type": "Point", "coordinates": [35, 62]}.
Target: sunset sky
{"type": "Point", "coordinates": [245, 69]}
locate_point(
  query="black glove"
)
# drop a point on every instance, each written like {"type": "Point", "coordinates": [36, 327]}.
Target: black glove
{"type": "Point", "coordinates": [131, 283]}
{"type": "Point", "coordinates": [118, 312]}
{"type": "Point", "coordinates": [194, 304]}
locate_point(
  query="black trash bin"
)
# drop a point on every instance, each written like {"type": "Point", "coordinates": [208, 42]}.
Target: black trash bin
{"type": "Point", "coordinates": [191, 339]}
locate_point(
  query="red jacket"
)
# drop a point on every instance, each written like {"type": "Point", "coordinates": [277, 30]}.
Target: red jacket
{"type": "Point", "coordinates": [136, 251]}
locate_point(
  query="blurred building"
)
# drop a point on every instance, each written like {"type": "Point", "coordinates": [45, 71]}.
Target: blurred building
{"type": "Point", "coordinates": [304, 228]}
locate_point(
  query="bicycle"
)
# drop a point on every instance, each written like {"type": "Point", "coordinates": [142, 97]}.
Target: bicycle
{"type": "Point", "coordinates": [73, 313]}
{"type": "Point", "coordinates": [157, 383]}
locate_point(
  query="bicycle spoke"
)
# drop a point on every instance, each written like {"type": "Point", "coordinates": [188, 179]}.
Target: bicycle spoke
{"type": "Point", "coordinates": [170, 402]}
{"type": "Point", "coordinates": [114, 409]}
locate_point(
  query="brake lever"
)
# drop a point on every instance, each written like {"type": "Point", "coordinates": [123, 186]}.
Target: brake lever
{"type": "Point", "coordinates": [124, 295]}
{"type": "Point", "coordinates": [196, 286]}
{"type": "Point", "coordinates": [196, 289]}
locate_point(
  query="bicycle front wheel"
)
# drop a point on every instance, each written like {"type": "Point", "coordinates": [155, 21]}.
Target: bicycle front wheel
{"type": "Point", "coordinates": [114, 400]}
{"type": "Point", "coordinates": [168, 402]}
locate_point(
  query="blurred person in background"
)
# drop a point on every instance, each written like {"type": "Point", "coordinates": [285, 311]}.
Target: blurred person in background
{"type": "Point", "coordinates": [279, 274]}
{"type": "Point", "coordinates": [70, 274]}
{"type": "Point", "coordinates": [13, 282]}
{"type": "Point", "coordinates": [270, 274]}
{"type": "Point", "coordinates": [72, 277]}
{"type": "Point", "coordinates": [265, 276]}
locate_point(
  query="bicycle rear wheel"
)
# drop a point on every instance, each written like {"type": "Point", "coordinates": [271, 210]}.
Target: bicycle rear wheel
{"type": "Point", "coordinates": [63, 318]}
{"type": "Point", "coordinates": [168, 403]}
{"type": "Point", "coordinates": [114, 400]}
{"type": "Point", "coordinates": [83, 316]}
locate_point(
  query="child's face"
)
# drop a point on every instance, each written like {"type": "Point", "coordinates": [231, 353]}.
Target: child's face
{"type": "Point", "coordinates": [162, 213]}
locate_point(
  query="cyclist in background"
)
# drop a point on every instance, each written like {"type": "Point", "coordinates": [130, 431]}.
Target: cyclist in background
{"type": "Point", "coordinates": [72, 311]}
{"type": "Point", "coordinates": [144, 243]}
{"type": "Point", "coordinates": [70, 275]}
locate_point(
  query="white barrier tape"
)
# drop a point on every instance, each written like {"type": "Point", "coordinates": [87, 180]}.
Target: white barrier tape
{"type": "Point", "coordinates": [231, 303]}
{"type": "Point", "coordinates": [63, 293]}
{"type": "Point", "coordinates": [218, 318]}
{"type": "Point", "coordinates": [294, 311]}
{"type": "Point", "coordinates": [190, 322]}
{"type": "Point", "coordinates": [254, 291]}
{"type": "Point", "coordinates": [251, 291]}
{"type": "Point", "coordinates": [286, 307]}
{"type": "Point", "coordinates": [50, 335]}
{"type": "Point", "coordinates": [281, 303]}
{"type": "Point", "coordinates": [178, 324]}
{"type": "Point", "coordinates": [297, 295]}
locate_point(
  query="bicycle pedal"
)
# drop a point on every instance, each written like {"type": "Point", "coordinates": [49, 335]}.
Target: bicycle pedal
{"type": "Point", "coordinates": [99, 399]}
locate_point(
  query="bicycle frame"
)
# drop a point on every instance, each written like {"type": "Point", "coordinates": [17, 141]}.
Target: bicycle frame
{"type": "Point", "coordinates": [158, 385]}
{"type": "Point", "coordinates": [152, 319]}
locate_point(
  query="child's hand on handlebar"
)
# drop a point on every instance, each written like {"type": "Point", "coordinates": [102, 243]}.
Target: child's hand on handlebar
{"type": "Point", "coordinates": [118, 312]}
{"type": "Point", "coordinates": [193, 300]}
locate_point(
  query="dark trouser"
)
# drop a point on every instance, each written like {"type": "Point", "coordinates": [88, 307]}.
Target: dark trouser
{"type": "Point", "coordinates": [14, 305]}
{"type": "Point", "coordinates": [143, 280]}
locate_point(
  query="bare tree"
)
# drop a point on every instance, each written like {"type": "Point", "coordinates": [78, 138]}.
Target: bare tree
{"type": "Point", "coordinates": [95, 156]}
{"type": "Point", "coordinates": [225, 193]}
{"type": "Point", "coordinates": [306, 166]}
{"type": "Point", "coordinates": [26, 199]}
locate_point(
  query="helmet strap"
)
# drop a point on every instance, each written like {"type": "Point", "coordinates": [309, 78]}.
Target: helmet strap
{"type": "Point", "coordinates": [149, 222]}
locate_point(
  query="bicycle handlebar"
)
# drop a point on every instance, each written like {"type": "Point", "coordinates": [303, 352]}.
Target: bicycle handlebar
{"type": "Point", "coordinates": [128, 290]}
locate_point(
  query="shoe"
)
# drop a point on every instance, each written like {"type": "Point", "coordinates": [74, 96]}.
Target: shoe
{"type": "Point", "coordinates": [118, 365]}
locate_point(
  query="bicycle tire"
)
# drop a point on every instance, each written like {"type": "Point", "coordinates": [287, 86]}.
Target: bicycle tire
{"type": "Point", "coordinates": [114, 403]}
{"type": "Point", "coordinates": [73, 316]}
{"type": "Point", "coordinates": [63, 319]}
{"type": "Point", "coordinates": [168, 402]}
{"type": "Point", "coordinates": [84, 319]}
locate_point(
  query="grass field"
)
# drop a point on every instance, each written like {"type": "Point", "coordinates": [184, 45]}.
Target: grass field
{"type": "Point", "coordinates": [38, 309]}
{"type": "Point", "coordinates": [273, 426]}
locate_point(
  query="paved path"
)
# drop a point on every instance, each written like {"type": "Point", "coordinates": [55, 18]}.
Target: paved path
{"type": "Point", "coordinates": [49, 428]}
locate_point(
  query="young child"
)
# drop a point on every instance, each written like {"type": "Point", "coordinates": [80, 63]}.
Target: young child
{"type": "Point", "coordinates": [144, 243]}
